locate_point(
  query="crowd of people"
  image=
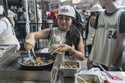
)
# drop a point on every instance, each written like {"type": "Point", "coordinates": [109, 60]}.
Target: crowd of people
{"type": "Point", "coordinates": [109, 37]}
{"type": "Point", "coordinates": [107, 44]}
{"type": "Point", "coordinates": [106, 41]}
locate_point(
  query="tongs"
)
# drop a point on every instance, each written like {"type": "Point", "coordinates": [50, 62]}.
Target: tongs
{"type": "Point", "coordinates": [54, 51]}
{"type": "Point", "coordinates": [32, 56]}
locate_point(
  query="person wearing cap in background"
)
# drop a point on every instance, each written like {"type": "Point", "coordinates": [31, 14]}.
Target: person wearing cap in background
{"type": "Point", "coordinates": [109, 36]}
{"type": "Point", "coordinates": [91, 25]}
{"type": "Point", "coordinates": [65, 35]}
{"type": "Point", "coordinates": [7, 34]}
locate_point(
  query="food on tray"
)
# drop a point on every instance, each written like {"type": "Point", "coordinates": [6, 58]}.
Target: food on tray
{"type": "Point", "coordinates": [68, 64]}
{"type": "Point", "coordinates": [39, 62]}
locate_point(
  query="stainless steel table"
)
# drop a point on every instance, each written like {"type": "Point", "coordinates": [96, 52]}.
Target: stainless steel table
{"type": "Point", "coordinates": [12, 74]}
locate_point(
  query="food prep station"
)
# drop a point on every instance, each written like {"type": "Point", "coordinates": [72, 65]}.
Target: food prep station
{"type": "Point", "coordinates": [10, 69]}
{"type": "Point", "coordinates": [13, 72]}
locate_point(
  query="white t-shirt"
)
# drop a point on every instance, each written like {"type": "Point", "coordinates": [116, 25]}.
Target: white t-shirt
{"type": "Point", "coordinates": [3, 25]}
{"type": "Point", "coordinates": [7, 34]}
{"type": "Point", "coordinates": [5, 28]}
{"type": "Point", "coordinates": [105, 39]}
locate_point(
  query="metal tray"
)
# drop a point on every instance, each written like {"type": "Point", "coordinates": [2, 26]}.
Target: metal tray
{"type": "Point", "coordinates": [70, 71]}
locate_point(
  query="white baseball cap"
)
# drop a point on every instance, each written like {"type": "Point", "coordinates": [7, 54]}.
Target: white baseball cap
{"type": "Point", "coordinates": [67, 10]}
{"type": "Point", "coordinates": [1, 10]}
{"type": "Point", "coordinates": [96, 7]}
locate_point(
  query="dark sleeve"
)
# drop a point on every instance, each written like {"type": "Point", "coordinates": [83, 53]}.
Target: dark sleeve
{"type": "Point", "coordinates": [122, 23]}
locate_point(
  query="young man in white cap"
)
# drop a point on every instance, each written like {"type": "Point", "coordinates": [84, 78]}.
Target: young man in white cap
{"type": "Point", "coordinates": [109, 36]}
{"type": "Point", "coordinates": [65, 35]}
{"type": "Point", "coordinates": [7, 34]}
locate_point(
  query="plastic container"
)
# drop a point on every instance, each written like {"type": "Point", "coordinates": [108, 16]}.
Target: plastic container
{"type": "Point", "coordinates": [93, 75]}
{"type": "Point", "coordinates": [87, 79]}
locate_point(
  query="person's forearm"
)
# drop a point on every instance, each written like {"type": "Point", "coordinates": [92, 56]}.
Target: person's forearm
{"type": "Point", "coordinates": [119, 48]}
{"type": "Point", "coordinates": [117, 53]}
{"type": "Point", "coordinates": [44, 34]}
{"type": "Point", "coordinates": [77, 54]}
{"type": "Point", "coordinates": [30, 36]}
{"type": "Point", "coordinates": [34, 35]}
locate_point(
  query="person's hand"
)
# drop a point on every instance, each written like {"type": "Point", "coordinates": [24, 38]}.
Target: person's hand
{"type": "Point", "coordinates": [64, 48]}
{"type": "Point", "coordinates": [60, 48]}
{"type": "Point", "coordinates": [29, 44]}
